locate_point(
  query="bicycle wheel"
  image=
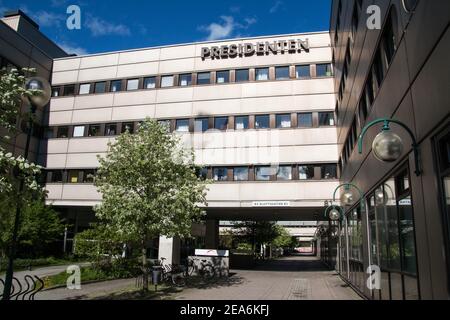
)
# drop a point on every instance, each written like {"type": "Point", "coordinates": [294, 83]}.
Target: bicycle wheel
{"type": "Point", "coordinates": [178, 280]}
{"type": "Point", "coordinates": [208, 272]}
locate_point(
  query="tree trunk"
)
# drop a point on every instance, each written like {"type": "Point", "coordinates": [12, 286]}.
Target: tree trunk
{"type": "Point", "coordinates": [144, 267]}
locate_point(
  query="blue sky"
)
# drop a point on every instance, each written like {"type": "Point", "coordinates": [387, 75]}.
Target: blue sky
{"type": "Point", "coordinates": [119, 25]}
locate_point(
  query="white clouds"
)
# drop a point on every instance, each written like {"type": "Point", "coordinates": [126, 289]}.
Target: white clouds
{"type": "Point", "coordinates": [226, 28]}
{"type": "Point", "coordinates": [276, 6]}
{"type": "Point", "coordinates": [70, 49]}
{"type": "Point", "coordinates": [48, 19]}
{"type": "Point", "coordinates": [99, 27]}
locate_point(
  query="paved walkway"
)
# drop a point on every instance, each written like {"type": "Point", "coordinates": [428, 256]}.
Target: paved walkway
{"type": "Point", "coordinates": [291, 278]}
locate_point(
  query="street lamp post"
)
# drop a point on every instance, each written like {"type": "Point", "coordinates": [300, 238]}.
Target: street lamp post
{"type": "Point", "coordinates": [39, 100]}
{"type": "Point", "coordinates": [388, 146]}
{"type": "Point", "coordinates": [336, 213]}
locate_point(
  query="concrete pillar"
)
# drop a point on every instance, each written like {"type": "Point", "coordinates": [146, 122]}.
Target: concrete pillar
{"type": "Point", "coordinates": [169, 248]}
{"type": "Point", "coordinates": [212, 234]}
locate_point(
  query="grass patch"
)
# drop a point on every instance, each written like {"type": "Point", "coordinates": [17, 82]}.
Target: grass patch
{"type": "Point", "coordinates": [87, 274]}
{"type": "Point", "coordinates": [24, 264]}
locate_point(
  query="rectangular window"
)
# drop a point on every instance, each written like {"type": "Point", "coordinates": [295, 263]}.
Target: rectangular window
{"type": "Point", "coordinates": [62, 132]}
{"type": "Point", "coordinates": [223, 76]}
{"type": "Point", "coordinates": [185, 80]}
{"type": "Point", "coordinates": [283, 120]}
{"type": "Point", "coordinates": [116, 86]}
{"type": "Point", "coordinates": [166, 81]}
{"type": "Point", "coordinates": [128, 126]}
{"type": "Point", "coordinates": [362, 111]}
{"type": "Point", "coordinates": [302, 72]}
{"type": "Point", "coordinates": [305, 172]}
{"type": "Point", "coordinates": [88, 176]}
{"type": "Point", "coordinates": [220, 174]}
{"type": "Point", "coordinates": [304, 120]}
{"type": "Point", "coordinates": [284, 173]}
{"type": "Point", "coordinates": [282, 73]}
{"type": "Point", "coordinates": [389, 41]}
{"type": "Point", "coordinates": [78, 131]}
{"type": "Point", "coordinates": [111, 129]}
{"type": "Point", "coordinates": [201, 124]}
{"type": "Point", "coordinates": [203, 78]}
{"type": "Point", "coordinates": [85, 88]}
{"type": "Point", "coordinates": [221, 123]}
{"type": "Point", "coordinates": [55, 91]}
{"type": "Point", "coordinates": [240, 174]}
{"type": "Point", "coordinates": [242, 75]}
{"type": "Point", "coordinates": [241, 123]}
{"type": "Point", "coordinates": [94, 130]}
{"type": "Point", "coordinates": [69, 90]}
{"type": "Point", "coordinates": [132, 84]}
{"type": "Point", "coordinates": [263, 173]}
{"type": "Point", "coordinates": [100, 87]}
{"type": "Point", "coordinates": [326, 119]}
{"type": "Point", "coordinates": [202, 173]}
{"type": "Point", "coordinates": [182, 125]}
{"type": "Point", "coordinates": [324, 70]}
{"type": "Point", "coordinates": [150, 83]}
{"type": "Point", "coordinates": [329, 171]}
{"type": "Point", "coordinates": [262, 122]}
{"type": "Point", "coordinates": [262, 74]}
{"type": "Point", "coordinates": [72, 176]}
{"type": "Point", "coordinates": [57, 176]}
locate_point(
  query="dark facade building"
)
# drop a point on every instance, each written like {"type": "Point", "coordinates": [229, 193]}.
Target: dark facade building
{"type": "Point", "coordinates": [399, 71]}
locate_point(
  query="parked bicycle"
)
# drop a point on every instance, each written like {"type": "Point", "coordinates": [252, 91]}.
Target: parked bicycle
{"type": "Point", "coordinates": [174, 274]}
{"type": "Point", "coordinates": [204, 268]}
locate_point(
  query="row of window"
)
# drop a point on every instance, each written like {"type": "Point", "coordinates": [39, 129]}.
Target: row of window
{"type": "Point", "coordinates": [235, 173]}
{"type": "Point", "coordinates": [189, 79]}
{"type": "Point", "coordinates": [382, 60]}
{"type": "Point", "coordinates": [244, 122]}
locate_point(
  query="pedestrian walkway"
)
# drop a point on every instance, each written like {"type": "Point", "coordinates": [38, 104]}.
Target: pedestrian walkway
{"type": "Point", "coordinates": [290, 278]}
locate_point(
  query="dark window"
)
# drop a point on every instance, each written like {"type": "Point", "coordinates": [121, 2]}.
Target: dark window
{"type": "Point", "coordinates": [69, 90]}
{"type": "Point", "coordinates": [240, 174]}
{"type": "Point", "coordinates": [185, 80]}
{"type": "Point", "coordinates": [329, 171]}
{"type": "Point", "coordinates": [355, 20]}
{"type": "Point", "coordinates": [378, 71]}
{"type": "Point", "coordinates": [304, 120]}
{"type": "Point", "coordinates": [263, 173]}
{"type": "Point", "coordinates": [72, 176]}
{"type": "Point", "coordinates": [204, 78]}
{"type": "Point", "coordinates": [57, 176]}
{"type": "Point", "coordinates": [150, 83]}
{"type": "Point", "coordinates": [201, 124]}
{"type": "Point", "coordinates": [128, 126]}
{"type": "Point", "coordinates": [88, 176]}
{"type": "Point", "coordinates": [220, 174]}
{"type": "Point", "coordinates": [389, 38]}
{"type": "Point", "coordinates": [116, 86]}
{"type": "Point", "coordinates": [94, 130]}
{"type": "Point", "coordinates": [302, 72]}
{"type": "Point", "coordinates": [223, 76]}
{"type": "Point", "coordinates": [282, 73]}
{"type": "Point", "coordinates": [221, 123]}
{"type": "Point", "coordinates": [63, 132]}
{"type": "Point", "coordinates": [202, 173]}
{"type": "Point", "coordinates": [182, 125]}
{"type": "Point", "coordinates": [242, 75]}
{"type": "Point", "coordinates": [283, 120]}
{"type": "Point", "coordinates": [262, 122]}
{"type": "Point", "coordinates": [369, 91]}
{"type": "Point", "coordinates": [326, 119]}
{"type": "Point", "coordinates": [100, 87]}
{"type": "Point", "coordinates": [305, 172]}
{"type": "Point", "coordinates": [241, 122]}
{"type": "Point", "coordinates": [111, 129]}
{"type": "Point", "coordinates": [261, 74]}
{"type": "Point", "coordinates": [324, 70]}
{"type": "Point", "coordinates": [55, 91]}
{"type": "Point", "coordinates": [284, 173]}
{"type": "Point", "coordinates": [362, 109]}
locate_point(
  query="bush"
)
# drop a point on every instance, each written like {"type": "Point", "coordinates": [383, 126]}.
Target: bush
{"type": "Point", "coordinates": [22, 264]}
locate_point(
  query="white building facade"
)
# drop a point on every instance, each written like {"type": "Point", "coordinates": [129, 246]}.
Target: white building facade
{"type": "Point", "coordinates": [259, 113]}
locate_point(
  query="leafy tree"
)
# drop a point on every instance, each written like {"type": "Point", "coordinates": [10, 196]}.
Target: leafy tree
{"type": "Point", "coordinates": [283, 239]}
{"type": "Point", "coordinates": [15, 170]}
{"type": "Point", "coordinates": [150, 188]}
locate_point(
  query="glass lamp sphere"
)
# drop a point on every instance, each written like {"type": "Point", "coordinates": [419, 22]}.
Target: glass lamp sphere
{"type": "Point", "coordinates": [387, 146]}
{"type": "Point", "coordinates": [348, 198]}
{"type": "Point", "coordinates": [36, 83]}
{"type": "Point", "coordinates": [380, 197]}
{"type": "Point", "coordinates": [334, 214]}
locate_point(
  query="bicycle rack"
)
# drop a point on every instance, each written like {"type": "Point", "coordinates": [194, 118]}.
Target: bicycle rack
{"type": "Point", "coordinates": [33, 286]}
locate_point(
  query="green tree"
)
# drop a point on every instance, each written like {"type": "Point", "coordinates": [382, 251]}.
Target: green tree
{"type": "Point", "coordinates": [149, 187]}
